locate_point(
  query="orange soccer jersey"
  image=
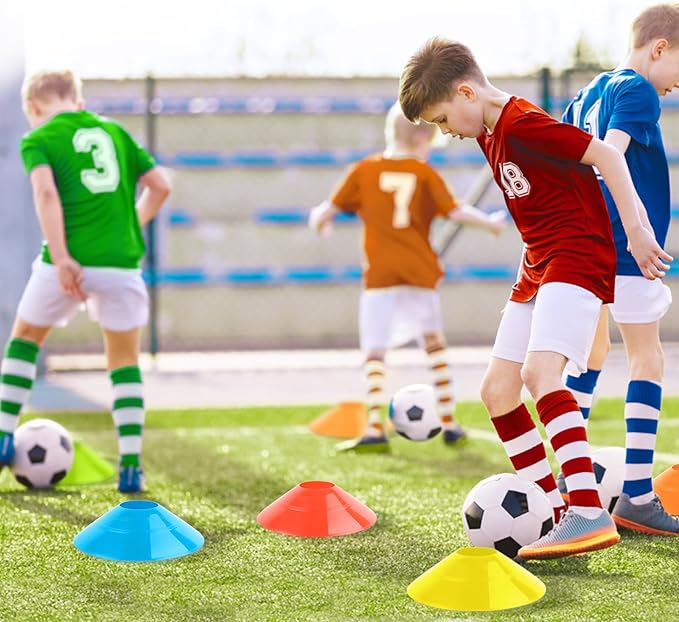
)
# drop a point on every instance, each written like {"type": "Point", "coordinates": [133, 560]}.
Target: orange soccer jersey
{"type": "Point", "coordinates": [397, 199]}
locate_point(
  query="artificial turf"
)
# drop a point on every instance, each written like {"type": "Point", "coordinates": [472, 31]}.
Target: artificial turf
{"type": "Point", "coordinates": [218, 468]}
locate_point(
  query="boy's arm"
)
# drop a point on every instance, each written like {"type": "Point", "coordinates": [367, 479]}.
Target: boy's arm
{"type": "Point", "coordinates": [157, 187]}
{"type": "Point", "coordinates": [494, 223]}
{"type": "Point", "coordinates": [346, 198]}
{"type": "Point", "coordinates": [51, 218]}
{"type": "Point", "coordinates": [321, 217]}
{"type": "Point", "coordinates": [621, 140]}
{"type": "Point", "coordinates": [642, 243]}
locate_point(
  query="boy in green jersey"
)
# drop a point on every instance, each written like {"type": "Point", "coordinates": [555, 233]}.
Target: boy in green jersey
{"type": "Point", "coordinates": [84, 170]}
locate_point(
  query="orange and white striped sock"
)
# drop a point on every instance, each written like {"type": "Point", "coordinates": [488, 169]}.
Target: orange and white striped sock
{"type": "Point", "coordinates": [443, 385]}
{"type": "Point", "coordinates": [375, 379]}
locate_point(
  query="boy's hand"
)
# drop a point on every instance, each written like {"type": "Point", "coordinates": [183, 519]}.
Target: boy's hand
{"type": "Point", "coordinates": [70, 278]}
{"type": "Point", "coordinates": [497, 222]}
{"type": "Point", "coordinates": [648, 254]}
{"type": "Point", "coordinates": [320, 219]}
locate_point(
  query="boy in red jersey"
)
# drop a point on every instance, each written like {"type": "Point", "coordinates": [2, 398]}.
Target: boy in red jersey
{"type": "Point", "coordinates": [397, 195]}
{"type": "Point", "coordinates": [568, 270]}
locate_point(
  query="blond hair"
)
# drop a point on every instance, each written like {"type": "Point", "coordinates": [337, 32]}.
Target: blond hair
{"type": "Point", "coordinates": [657, 22]}
{"type": "Point", "coordinates": [43, 86]}
{"type": "Point", "coordinates": [398, 131]}
{"type": "Point", "coordinates": [432, 74]}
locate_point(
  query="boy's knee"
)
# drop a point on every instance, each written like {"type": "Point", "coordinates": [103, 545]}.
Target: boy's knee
{"type": "Point", "coordinates": [497, 393]}
{"type": "Point", "coordinates": [375, 355]}
{"type": "Point", "coordinates": [530, 376]}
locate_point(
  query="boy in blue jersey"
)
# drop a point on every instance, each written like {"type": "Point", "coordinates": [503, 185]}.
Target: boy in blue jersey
{"type": "Point", "coordinates": [622, 107]}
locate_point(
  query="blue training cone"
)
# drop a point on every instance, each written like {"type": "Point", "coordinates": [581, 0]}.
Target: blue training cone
{"type": "Point", "coordinates": [138, 531]}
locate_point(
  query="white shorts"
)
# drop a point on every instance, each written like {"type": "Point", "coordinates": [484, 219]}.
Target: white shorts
{"type": "Point", "coordinates": [392, 316]}
{"type": "Point", "coordinates": [116, 298]}
{"type": "Point", "coordinates": [561, 318]}
{"type": "Point", "coordinates": [639, 301]}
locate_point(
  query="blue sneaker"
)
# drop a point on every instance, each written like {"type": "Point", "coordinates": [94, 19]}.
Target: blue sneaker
{"type": "Point", "coordinates": [574, 534]}
{"type": "Point", "coordinates": [6, 449]}
{"type": "Point", "coordinates": [131, 479]}
{"type": "Point", "coordinates": [367, 445]}
{"type": "Point", "coordinates": [649, 518]}
{"type": "Point", "coordinates": [455, 436]}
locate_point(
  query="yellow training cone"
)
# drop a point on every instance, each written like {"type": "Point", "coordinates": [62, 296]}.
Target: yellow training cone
{"type": "Point", "coordinates": [666, 486]}
{"type": "Point", "coordinates": [346, 420]}
{"type": "Point", "coordinates": [476, 579]}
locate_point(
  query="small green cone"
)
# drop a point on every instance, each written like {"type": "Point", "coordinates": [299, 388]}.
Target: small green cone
{"type": "Point", "coordinates": [88, 467]}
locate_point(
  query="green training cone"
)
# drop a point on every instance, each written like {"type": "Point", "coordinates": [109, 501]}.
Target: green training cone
{"type": "Point", "coordinates": [88, 467]}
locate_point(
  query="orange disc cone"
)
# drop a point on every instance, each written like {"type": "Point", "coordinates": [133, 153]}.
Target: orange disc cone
{"type": "Point", "coordinates": [476, 579]}
{"type": "Point", "coordinates": [316, 510]}
{"type": "Point", "coordinates": [666, 486]}
{"type": "Point", "coordinates": [346, 420]}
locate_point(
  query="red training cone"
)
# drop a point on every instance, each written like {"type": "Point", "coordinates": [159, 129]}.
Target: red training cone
{"type": "Point", "coordinates": [316, 510]}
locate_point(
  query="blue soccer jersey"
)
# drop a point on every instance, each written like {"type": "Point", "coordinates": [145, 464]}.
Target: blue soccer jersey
{"type": "Point", "coordinates": [625, 101]}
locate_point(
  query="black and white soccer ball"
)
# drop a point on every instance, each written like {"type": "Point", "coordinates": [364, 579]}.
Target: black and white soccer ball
{"type": "Point", "coordinates": [43, 453]}
{"type": "Point", "coordinates": [506, 512]}
{"type": "Point", "coordinates": [609, 472]}
{"type": "Point", "coordinates": [413, 412]}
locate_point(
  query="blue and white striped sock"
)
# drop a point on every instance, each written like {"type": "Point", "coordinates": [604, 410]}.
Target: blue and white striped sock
{"type": "Point", "coordinates": [582, 387]}
{"type": "Point", "coordinates": [642, 410]}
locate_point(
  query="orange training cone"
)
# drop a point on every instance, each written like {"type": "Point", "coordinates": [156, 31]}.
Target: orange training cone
{"type": "Point", "coordinates": [316, 509]}
{"type": "Point", "coordinates": [666, 486]}
{"type": "Point", "coordinates": [476, 579]}
{"type": "Point", "coordinates": [346, 420]}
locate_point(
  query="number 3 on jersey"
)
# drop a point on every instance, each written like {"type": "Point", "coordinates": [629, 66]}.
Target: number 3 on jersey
{"type": "Point", "coordinates": [403, 186]}
{"type": "Point", "coordinates": [513, 181]}
{"type": "Point", "coordinates": [106, 176]}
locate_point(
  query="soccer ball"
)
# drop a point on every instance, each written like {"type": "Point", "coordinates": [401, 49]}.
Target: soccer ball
{"type": "Point", "coordinates": [506, 512]}
{"type": "Point", "coordinates": [412, 410]}
{"type": "Point", "coordinates": [609, 471]}
{"type": "Point", "coordinates": [43, 453]}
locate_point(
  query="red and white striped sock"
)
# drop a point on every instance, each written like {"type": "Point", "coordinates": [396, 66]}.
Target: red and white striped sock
{"type": "Point", "coordinates": [561, 416]}
{"type": "Point", "coordinates": [375, 396]}
{"type": "Point", "coordinates": [443, 385]}
{"type": "Point", "coordinates": [526, 451]}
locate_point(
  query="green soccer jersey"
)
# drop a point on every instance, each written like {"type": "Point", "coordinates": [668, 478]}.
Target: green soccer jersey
{"type": "Point", "coordinates": [95, 164]}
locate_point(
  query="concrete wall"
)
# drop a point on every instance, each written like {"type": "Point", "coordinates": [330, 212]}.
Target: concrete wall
{"type": "Point", "coordinates": [225, 235]}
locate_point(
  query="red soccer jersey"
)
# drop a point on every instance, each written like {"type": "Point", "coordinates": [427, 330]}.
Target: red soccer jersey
{"type": "Point", "coordinates": [555, 201]}
{"type": "Point", "coordinates": [397, 199]}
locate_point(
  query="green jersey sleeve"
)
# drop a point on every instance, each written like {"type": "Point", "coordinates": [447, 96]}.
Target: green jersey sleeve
{"type": "Point", "coordinates": [144, 160]}
{"type": "Point", "coordinates": [32, 153]}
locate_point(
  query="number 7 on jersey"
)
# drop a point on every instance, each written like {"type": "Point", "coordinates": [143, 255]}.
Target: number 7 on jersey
{"type": "Point", "coordinates": [403, 187]}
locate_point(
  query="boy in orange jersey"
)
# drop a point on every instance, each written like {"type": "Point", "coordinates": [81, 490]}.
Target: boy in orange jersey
{"type": "Point", "coordinates": [397, 195]}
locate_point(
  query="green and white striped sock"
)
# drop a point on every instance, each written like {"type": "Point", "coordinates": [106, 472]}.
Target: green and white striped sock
{"type": "Point", "coordinates": [128, 413]}
{"type": "Point", "coordinates": [18, 373]}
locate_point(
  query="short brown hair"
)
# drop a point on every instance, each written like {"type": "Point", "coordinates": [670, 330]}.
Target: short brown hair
{"type": "Point", "coordinates": [433, 72]}
{"type": "Point", "coordinates": [656, 22]}
{"type": "Point", "coordinates": [44, 85]}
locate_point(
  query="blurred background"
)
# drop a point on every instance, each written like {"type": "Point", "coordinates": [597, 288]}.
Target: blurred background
{"type": "Point", "coordinates": [257, 108]}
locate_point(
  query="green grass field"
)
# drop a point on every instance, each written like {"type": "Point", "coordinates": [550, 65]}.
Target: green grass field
{"type": "Point", "coordinates": [218, 468]}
